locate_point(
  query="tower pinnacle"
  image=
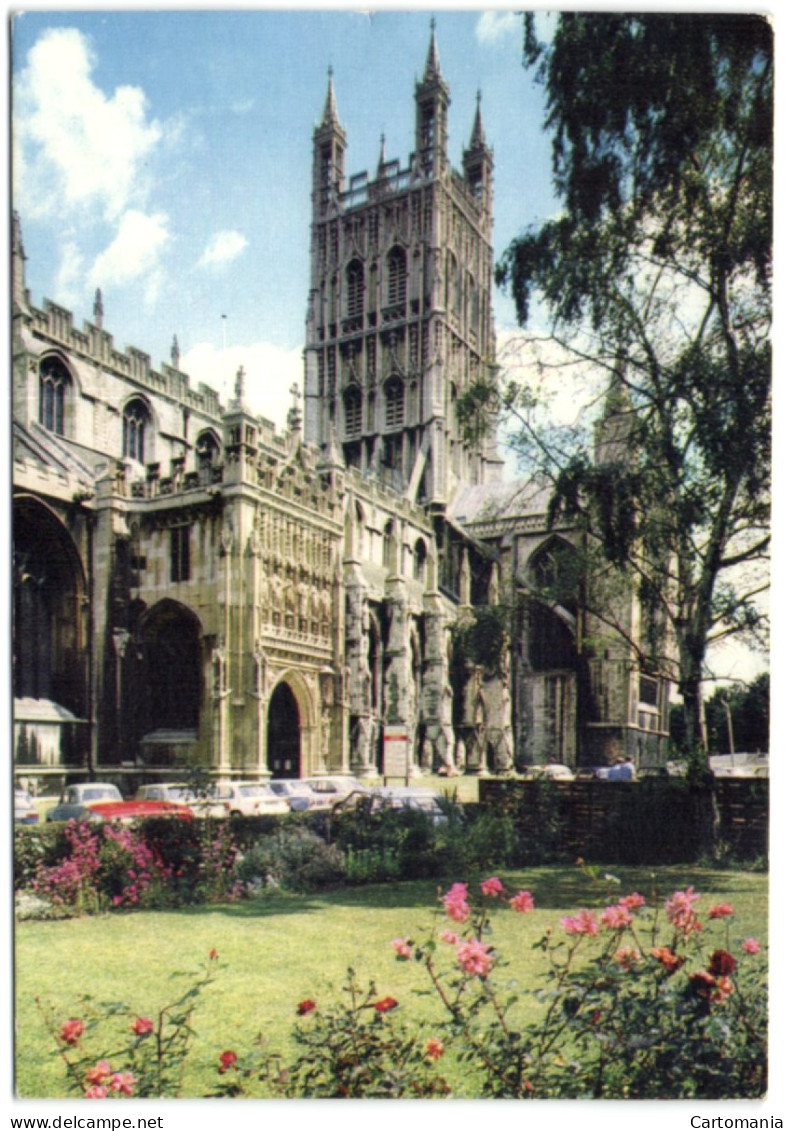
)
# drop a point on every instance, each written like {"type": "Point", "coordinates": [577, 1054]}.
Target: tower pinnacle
{"type": "Point", "coordinates": [330, 115]}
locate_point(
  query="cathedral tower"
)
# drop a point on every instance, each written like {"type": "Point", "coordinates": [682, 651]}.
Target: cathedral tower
{"type": "Point", "coordinates": [400, 324]}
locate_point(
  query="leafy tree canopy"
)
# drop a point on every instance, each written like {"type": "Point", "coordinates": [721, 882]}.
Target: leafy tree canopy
{"type": "Point", "coordinates": [657, 276]}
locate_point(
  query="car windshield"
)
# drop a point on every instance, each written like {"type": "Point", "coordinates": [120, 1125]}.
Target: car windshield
{"type": "Point", "coordinates": [254, 791]}
{"type": "Point", "coordinates": [179, 793]}
{"type": "Point", "coordinates": [108, 793]}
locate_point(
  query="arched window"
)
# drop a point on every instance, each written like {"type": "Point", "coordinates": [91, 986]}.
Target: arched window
{"type": "Point", "coordinates": [420, 560]}
{"type": "Point", "coordinates": [388, 545]}
{"type": "Point", "coordinates": [208, 450]}
{"type": "Point", "coordinates": [355, 289]}
{"type": "Point", "coordinates": [394, 392]}
{"type": "Point", "coordinates": [134, 422]}
{"type": "Point", "coordinates": [397, 274]}
{"type": "Point", "coordinates": [54, 381]}
{"type": "Point", "coordinates": [353, 411]}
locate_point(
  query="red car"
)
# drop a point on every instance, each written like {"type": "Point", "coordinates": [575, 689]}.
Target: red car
{"type": "Point", "coordinates": [95, 801]}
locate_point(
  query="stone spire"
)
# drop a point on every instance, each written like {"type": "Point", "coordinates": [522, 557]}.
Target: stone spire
{"type": "Point", "coordinates": [433, 64]}
{"type": "Point", "coordinates": [330, 115]}
{"type": "Point", "coordinates": [99, 309]}
{"type": "Point", "coordinates": [478, 133]}
{"type": "Point", "coordinates": [382, 156]}
{"type": "Point", "coordinates": [175, 353]}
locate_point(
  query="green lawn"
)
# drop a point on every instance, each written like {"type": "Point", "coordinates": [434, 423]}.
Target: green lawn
{"type": "Point", "coordinates": [279, 949]}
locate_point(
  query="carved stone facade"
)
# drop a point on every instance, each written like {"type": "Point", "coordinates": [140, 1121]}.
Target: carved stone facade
{"type": "Point", "coordinates": [192, 588]}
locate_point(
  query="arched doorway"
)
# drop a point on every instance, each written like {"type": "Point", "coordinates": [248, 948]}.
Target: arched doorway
{"type": "Point", "coordinates": [172, 683]}
{"type": "Point", "coordinates": [49, 587]}
{"type": "Point", "coordinates": [283, 733]}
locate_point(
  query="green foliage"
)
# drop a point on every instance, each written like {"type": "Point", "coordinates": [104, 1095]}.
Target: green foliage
{"type": "Point", "coordinates": [109, 1050]}
{"type": "Point", "coordinates": [296, 860]}
{"type": "Point", "coordinates": [358, 1049]}
{"type": "Point", "coordinates": [638, 1002]}
{"type": "Point", "coordinates": [480, 637]}
{"type": "Point", "coordinates": [656, 275]}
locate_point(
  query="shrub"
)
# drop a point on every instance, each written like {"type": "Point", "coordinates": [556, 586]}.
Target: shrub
{"type": "Point", "coordinates": [296, 859]}
{"type": "Point", "coordinates": [163, 862]}
{"type": "Point", "coordinates": [639, 1003]}
{"type": "Point", "coordinates": [149, 1054]}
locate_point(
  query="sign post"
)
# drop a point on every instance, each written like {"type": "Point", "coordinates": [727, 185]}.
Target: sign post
{"type": "Point", "coordinates": [395, 753]}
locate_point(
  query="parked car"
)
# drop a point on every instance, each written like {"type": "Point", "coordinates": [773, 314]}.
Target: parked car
{"type": "Point", "coordinates": [180, 792]}
{"type": "Point", "coordinates": [25, 812]}
{"type": "Point", "coordinates": [98, 801]}
{"type": "Point", "coordinates": [332, 788]}
{"type": "Point", "coordinates": [246, 799]}
{"type": "Point", "coordinates": [411, 797]}
{"type": "Point", "coordinates": [297, 792]}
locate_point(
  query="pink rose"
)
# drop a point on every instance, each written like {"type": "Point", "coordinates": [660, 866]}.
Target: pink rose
{"type": "Point", "coordinates": [493, 886]}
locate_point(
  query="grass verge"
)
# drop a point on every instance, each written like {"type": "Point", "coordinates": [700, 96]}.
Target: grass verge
{"type": "Point", "coordinates": [279, 949]}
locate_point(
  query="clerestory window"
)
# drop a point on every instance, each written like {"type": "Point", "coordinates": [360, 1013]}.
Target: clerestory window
{"type": "Point", "coordinates": [54, 382]}
{"type": "Point", "coordinates": [394, 392]}
{"type": "Point", "coordinates": [397, 276]}
{"type": "Point", "coordinates": [134, 424]}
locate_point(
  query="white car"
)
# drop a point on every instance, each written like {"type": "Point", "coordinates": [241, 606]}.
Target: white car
{"type": "Point", "coordinates": [245, 799]}
{"type": "Point", "coordinates": [297, 792]}
{"type": "Point", "coordinates": [25, 812]}
{"type": "Point", "coordinates": [179, 791]}
{"type": "Point", "coordinates": [330, 789]}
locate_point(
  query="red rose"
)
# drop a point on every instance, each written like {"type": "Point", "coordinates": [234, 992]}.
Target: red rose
{"type": "Point", "coordinates": [71, 1031]}
{"type": "Point", "coordinates": [702, 984]}
{"type": "Point", "coordinates": [228, 1060]}
{"type": "Point", "coordinates": [385, 1004]}
{"type": "Point", "coordinates": [306, 1006]}
{"type": "Point", "coordinates": [722, 964]}
{"type": "Point", "coordinates": [141, 1026]}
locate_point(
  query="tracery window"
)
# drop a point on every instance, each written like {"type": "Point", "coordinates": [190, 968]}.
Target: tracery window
{"type": "Point", "coordinates": [54, 381]}
{"type": "Point", "coordinates": [355, 289]}
{"type": "Point", "coordinates": [134, 424]}
{"type": "Point", "coordinates": [397, 276]}
{"type": "Point", "coordinates": [394, 392]}
{"type": "Point", "coordinates": [353, 411]}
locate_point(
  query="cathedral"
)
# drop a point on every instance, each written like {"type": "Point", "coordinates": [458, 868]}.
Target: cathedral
{"type": "Point", "coordinates": [362, 592]}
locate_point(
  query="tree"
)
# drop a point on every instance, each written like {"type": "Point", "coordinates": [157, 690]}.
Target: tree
{"type": "Point", "coordinates": [656, 275]}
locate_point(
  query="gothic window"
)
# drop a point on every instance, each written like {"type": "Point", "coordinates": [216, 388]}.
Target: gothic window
{"type": "Point", "coordinates": [388, 545]}
{"type": "Point", "coordinates": [453, 285]}
{"type": "Point", "coordinates": [180, 553]}
{"type": "Point", "coordinates": [355, 289]}
{"type": "Point", "coordinates": [134, 424]}
{"type": "Point", "coordinates": [353, 411]}
{"type": "Point", "coordinates": [54, 382]}
{"type": "Point", "coordinates": [428, 137]}
{"type": "Point", "coordinates": [395, 402]}
{"type": "Point", "coordinates": [208, 450]}
{"type": "Point", "coordinates": [420, 560]}
{"type": "Point", "coordinates": [397, 275]}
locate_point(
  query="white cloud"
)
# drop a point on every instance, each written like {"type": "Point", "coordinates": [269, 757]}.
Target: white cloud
{"type": "Point", "coordinates": [77, 145]}
{"type": "Point", "coordinates": [223, 247]}
{"type": "Point", "coordinates": [134, 253]}
{"type": "Point", "coordinates": [493, 26]}
{"type": "Point", "coordinates": [270, 373]}
{"type": "Point", "coordinates": [71, 274]}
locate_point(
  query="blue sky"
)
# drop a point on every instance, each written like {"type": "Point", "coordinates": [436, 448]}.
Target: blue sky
{"type": "Point", "coordinates": [166, 158]}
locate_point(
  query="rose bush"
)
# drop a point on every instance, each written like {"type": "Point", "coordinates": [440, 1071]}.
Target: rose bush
{"type": "Point", "coordinates": [642, 997]}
